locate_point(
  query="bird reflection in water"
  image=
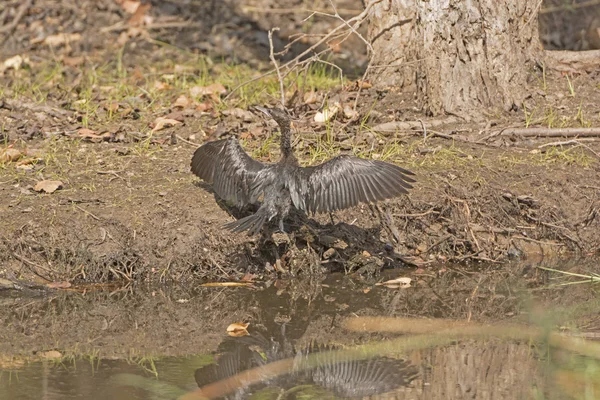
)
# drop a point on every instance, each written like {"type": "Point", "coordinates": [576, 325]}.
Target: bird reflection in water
{"type": "Point", "coordinates": [335, 375]}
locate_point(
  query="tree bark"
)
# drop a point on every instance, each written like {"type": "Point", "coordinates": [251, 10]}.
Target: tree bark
{"type": "Point", "coordinates": [458, 55]}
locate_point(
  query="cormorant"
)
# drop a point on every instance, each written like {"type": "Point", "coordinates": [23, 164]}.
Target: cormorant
{"type": "Point", "coordinates": [342, 182]}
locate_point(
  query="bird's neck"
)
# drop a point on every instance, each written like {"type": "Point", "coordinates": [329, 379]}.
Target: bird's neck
{"type": "Point", "coordinates": [286, 140]}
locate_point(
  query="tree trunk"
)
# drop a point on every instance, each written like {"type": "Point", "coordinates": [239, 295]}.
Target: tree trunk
{"type": "Point", "coordinates": [459, 55]}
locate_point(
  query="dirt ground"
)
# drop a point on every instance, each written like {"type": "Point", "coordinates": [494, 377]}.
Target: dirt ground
{"type": "Point", "coordinates": [84, 112]}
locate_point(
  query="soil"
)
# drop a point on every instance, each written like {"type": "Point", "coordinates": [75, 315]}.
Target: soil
{"type": "Point", "coordinates": [130, 210]}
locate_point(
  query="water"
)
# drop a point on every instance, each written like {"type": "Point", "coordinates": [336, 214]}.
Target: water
{"type": "Point", "coordinates": [161, 343]}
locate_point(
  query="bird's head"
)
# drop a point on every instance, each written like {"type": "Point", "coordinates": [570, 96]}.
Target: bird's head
{"type": "Point", "coordinates": [279, 115]}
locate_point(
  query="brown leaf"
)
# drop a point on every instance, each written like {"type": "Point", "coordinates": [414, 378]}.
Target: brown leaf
{"type": "Point", "coordinates": [402, 282]}
{"type": "Point", "coordinates": [310, 97]}
{"type": "Point", "coordinates": [48, 186]}
{"type": "Point", "coordinates": [213, 88]}
{"type": "Point", "coordinates": [9, 154]}
{"type": "Point", "coordinates": [364, 84]}
{"type": "Point", "coordinates": [129, 6]}
{"type": "Point", "coordinates": [204, 106]}
{"type": "Point", "coordinates": [113, 106]}
{"type": "Point", "coordinates": [73, 61]}
{"type": "Point", "coordinates": [162, 123]}
{"type": "Point", "coordinates": [177, 115]}
{"type": "Point", "coordinates": [138, 16]}
{"type": "Point", "coordinates": [27, 161]}
{"type": "Point", "coordinates": [59, 285]}
{"type": "Point", "coordinates": [92, 136]}
{"type": "Point", "coordinates": [158, 85]}
{"type": "Point", "coordinates": [237, 329]}
{"type": "Point", "coordinates": [182, 102]}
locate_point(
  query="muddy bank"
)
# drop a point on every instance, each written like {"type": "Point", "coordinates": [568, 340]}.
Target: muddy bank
{"type": "Point", "coordinates": [145, 218]}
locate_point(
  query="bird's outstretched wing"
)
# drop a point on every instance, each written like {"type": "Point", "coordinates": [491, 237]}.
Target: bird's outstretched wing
{"type": "Point", "coordinates": [346, 181]}
{"type": "Point", "coordinates": [226, 165]}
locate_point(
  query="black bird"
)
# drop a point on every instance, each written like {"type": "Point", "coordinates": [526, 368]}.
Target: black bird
{"type": "Point", "coordinates": [339, 183]}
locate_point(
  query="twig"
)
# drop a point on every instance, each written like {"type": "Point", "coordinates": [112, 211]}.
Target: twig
{"type": "Point", "coordinates": [32, 264]}
{"type": "Point", "coordinates": [337, 15]}
{"type": "Point", "coordinates": [568, 142]}
{"type": "Point", "coordinates": [187, 141]}
{"type": "Point", "coordinates": [274, 61]}
{"type": "Point", "coordinates": [430, 211]}
{"type": "Point", "coordinates": [552, 132]}
{"type": "Point", "coordinates": [87, 212]}
{"type": "Point", "coordinates": [9, 27]}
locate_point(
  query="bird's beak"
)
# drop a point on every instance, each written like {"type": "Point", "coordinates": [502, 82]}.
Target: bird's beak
{"type": "Point", "coordinates": [263, 110]}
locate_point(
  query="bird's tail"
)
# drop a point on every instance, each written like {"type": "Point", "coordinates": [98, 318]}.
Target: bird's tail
{"type": "Point", "coordinates": [252, 223]}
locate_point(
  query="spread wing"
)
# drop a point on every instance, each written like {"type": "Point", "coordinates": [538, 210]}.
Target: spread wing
{"type": "Point", "coordinates": [346, 181]}
{"type": "Point", "coordinates": [226, 165]}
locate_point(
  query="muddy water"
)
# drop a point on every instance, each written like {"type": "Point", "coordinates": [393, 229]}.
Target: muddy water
{"type": "Point", "coordinates": [161, 343]}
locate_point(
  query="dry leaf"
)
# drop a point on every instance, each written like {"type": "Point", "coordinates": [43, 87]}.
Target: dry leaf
{"type": "Point", "coordinates": [9, 154]}
{"type": "Point", "coordinates": [327, 114]}
{"type": "Point", "coordinates": [182, 102]}
{"type": "Point", "coordinates": [213, 88]}
{"type": "Point", "coordinates": [366, 290]}
{"type": "Point", "coordinates": [14, 62]}
{"type": "Point", "coordinates": [398, 283]}
{"type": "Point", "coordinates": [158, 85]}
{"type": "Point", "coordinates": [48, 186]}
{"type": "Point", "coordinates": [138, 17]}
{"type": "Point", "coordinates": [129, 6]}
{"type": "Point", "coordinates": [73, 61]}
{"type": "Point", "coordinates": [335, 47]}
{"type": "Point", "coordinates": [92, 136]}
{"type": "Point", "coordinates": [61, 38]}
{"type": "Point", "coordinates": [364, 84]}
{"type": "Point", "coordinates": [237, 329]}
{"type": "Point", "coordinates": [162, 123]}
{"type": "Point", "coordinates": [310, 97]}
{"type": "Point", "coordinates": [350, 113]}
{"type": "Point", "coordinates": [204, 106]}
{"type": "Point", "coordinates": [59, 285]}
{"type": "Point", "coordinates": [111, 107]}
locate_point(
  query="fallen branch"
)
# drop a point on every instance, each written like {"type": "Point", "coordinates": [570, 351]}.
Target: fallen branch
{"type": "Point", "coordinates": [551, 132]}
{"type": "Point", "coordinates": [573, 61]}
{"type": "Point", "coordinates": [395, 126]}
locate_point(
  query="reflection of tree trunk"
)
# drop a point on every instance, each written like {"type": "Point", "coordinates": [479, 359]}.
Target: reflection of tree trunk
{"type": "Point", "coordinates": [475, 370]}
{"type": "Point", "coordinates": [461, 55]}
